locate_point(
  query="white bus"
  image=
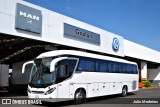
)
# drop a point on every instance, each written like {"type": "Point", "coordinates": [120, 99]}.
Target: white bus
{"type": "Point", "coordinates": [73, 75]}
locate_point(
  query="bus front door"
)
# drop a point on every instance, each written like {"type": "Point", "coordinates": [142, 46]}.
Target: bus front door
{"type": "Point", "coordinates": [62, 92]}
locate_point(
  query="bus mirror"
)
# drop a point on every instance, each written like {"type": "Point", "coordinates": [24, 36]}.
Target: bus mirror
{"type": "Point", "coordinates": [54, 62]}
{"type": "Point", "coordinates": [24, 65]}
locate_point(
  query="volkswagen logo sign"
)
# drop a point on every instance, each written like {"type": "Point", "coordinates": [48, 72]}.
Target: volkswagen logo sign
{"type": "Point", "coordinates": [115, 44]}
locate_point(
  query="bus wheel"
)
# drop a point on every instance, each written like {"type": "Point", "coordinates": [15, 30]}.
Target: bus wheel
{"type": "Point", "coordinates": [124, 91]}
{"type": "Point", "coordinates": [79, 96]}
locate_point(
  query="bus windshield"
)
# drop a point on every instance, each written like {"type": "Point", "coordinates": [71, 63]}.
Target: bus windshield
{"type": "Point", "coordinates": [40, 73]}
{"type": "Point", "coordinates": [42, 77]}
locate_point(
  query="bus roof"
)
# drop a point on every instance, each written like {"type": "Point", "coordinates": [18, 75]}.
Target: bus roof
{"type": "Point", "coordinates": [83, 54]}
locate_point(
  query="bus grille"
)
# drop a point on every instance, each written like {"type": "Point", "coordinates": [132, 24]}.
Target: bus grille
{"type": "Point", "coordinates": [38, 92]}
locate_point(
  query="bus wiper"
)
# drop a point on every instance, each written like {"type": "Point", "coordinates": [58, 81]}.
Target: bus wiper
{"type": "Point", "coordinates": [37, 74]}
{"type": "Point", "coordinates": [34, 76]}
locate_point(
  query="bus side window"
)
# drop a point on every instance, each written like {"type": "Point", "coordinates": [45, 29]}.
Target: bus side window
{"type": "Point", "coordinates": [72, 64]}
{"type": "Point", "coordinates": [129, 69]}
{"type": "Point", "coordinates": [65, 69]}
{"type": "Point", "coordinates": [124, 68]}
{"type": "Point", "coordinates": [81, 65]}
{"type": "Point", "coordinates": [119, 67]}
{"type": "Point", "coordinates": [135, 71]}
{"type": "Point", "coordinates": [89, 65]}
{"type": "Point", "coordinates": [97, 66]}
{"type": "Point", "coordinates": [101, 66]}
{"type": "Point", "coordinates": [114, 66]}
{"type": "Point", "coordinates": [109, 67]}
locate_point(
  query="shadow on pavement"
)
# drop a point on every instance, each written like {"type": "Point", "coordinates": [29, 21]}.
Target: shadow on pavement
{"type": "Point", "coordinates": [15, 92]}
{"type": "Point", "coordinates": [96, 100]}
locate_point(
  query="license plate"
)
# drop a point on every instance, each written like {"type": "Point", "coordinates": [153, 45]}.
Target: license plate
{"type": "Point", "coordinates": [36, 96]}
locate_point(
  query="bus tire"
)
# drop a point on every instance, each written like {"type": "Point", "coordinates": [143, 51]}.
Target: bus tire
{"type": "Point", "coordinates": [124, 91]}
{"type": "Point", "coordinates": [79, 96]}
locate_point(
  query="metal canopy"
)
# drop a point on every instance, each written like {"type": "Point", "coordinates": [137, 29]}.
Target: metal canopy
{"type": "Point", "coordinates": [15, 49]}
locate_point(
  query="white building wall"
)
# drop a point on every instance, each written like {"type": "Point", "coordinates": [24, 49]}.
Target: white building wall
{"type": "Point", "coordinates": [53, 29]}
{"type": "Point", "coordinates": [154, 75]}
{"type": "Point", "coordinates": [143, 70]}
{"type": "Point", "coordinates": [134, 50]}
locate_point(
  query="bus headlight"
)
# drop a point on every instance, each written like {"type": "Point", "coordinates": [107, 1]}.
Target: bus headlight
{"type": "Point", "coordinates": [50, 91]}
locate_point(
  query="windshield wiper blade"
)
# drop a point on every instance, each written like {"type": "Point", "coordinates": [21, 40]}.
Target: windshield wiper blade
{"type": "Point", "coordinates": [33, 76]}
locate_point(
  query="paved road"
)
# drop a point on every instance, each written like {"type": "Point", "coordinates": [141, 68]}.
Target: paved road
{"type": "Point", "coordinates": [107, 101]}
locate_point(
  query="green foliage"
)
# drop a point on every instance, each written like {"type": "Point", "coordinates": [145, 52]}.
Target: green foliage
{"type": "Point", "coordinates": [147, 84]}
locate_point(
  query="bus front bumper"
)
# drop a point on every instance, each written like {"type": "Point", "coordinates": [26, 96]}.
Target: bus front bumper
{"type": "Point", "coordinates": [42, 97]}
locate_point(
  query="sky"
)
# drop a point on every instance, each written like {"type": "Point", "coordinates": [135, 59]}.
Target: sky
{"type": "Point", "coordinates": [135, 20]}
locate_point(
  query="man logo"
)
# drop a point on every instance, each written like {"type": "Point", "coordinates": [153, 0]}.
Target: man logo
{"type": "Point", "coordinates": [28, 19]}
{"type": "Point", "coordinates": [115, 44]}
{"type": "Point", "coordinates": [33, 17]}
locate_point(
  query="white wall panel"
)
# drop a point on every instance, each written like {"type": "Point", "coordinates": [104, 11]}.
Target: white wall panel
{"type": "Point", "coordinates": [134, 50]}
{"type": "Point", "coordinates": [52, 31]}
{"type": "Point", "coordinates": [154, 74]}
{"type": "Point", "coordinates": [143, 69]}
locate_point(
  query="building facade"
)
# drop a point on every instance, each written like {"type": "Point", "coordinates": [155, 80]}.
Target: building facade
{"type": "Point", "coordinates": [27, 29]}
